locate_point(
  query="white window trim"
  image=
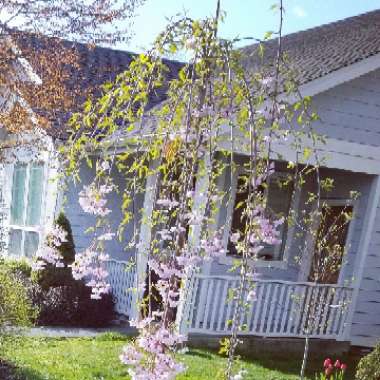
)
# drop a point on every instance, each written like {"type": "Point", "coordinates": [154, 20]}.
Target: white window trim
{"type": "Point", "coordinates": [37, 228]}
{"type": "Point", "coordinates": [231, 260]}
{"type": "Point", "coordinates": [306, 261]}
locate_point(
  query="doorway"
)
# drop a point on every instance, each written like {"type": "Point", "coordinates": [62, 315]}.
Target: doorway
{"type": "Point", "coordinates": [330, 242]}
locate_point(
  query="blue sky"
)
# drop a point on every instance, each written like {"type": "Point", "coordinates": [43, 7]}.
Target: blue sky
{"type": "Point", "coordinates": [244, 17]}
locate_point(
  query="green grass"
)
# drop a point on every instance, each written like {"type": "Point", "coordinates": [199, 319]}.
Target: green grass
{"type": "Point", "coordinates": [97, 359]}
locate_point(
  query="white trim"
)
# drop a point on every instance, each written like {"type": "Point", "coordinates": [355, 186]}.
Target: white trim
{"type": "Point", "coordinates": [340, 76]}
{"type": "Point", "coordinates": [334, 153]}
{"type": "Point", "coordinates": [362, 251]}
{"type": "Point", "coordinates": [145, 235]}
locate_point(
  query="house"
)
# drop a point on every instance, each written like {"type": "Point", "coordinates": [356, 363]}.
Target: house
{"type": "Point", "coordinates": [339, 66]}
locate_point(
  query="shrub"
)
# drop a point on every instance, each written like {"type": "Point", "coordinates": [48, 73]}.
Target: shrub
{"type": "Point", "coordinates": [64, 301]}
{"type": "Point", "coordinates": [72, 306]}
{"type": "Point", "coordinates": [369, 366]}
{"type": "Point", "coordinates": [21, 267]}
{"type": "Point", "coordinates": [52, 276]}
{"type": "Point", "coordinates": [16, 308]}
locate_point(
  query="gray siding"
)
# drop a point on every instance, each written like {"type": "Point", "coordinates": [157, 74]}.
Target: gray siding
{"type": "Point", "coordinates": [351, 111]}
{"type": "Point", "coordinates": [80, 221]}
{"type": "Point", "coordinates": [365, 329]}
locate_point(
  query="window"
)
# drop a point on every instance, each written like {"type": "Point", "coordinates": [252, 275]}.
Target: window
{"type": "Point", "coordinates": [25, 211]}
{"type": "Point", "coordinates": [278, 205]}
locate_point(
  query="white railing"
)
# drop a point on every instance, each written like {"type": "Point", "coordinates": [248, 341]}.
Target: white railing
{"type": "Point", "coordinates": [280, 308]}
{"type": "Point", "coordinates": [121, 277]}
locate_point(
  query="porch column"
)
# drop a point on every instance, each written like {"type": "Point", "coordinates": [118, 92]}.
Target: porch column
{"type": "Point", "coordinates": [199, 209]}
{"type": "Point", "coordinates": [145, 235]}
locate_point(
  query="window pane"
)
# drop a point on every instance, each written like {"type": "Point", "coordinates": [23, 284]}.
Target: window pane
{"type": "Point", "coordinates": [278, 205]}
{"type": "Point", "coordinates": [31, 243]}
{"type": "Point", "coordinates": [33, 212]}
{"type": "Point", "coordinates": [14, 247]}
{"type": "Point", "coordinates": [18, 192]}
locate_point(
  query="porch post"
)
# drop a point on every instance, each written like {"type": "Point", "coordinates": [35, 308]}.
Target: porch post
{"type": "Point", "coordinates": [144, 237]}
{"type": "Point", "coordinates": [199, 209]}
{"type": "Point", "coordinates": [362, 251]}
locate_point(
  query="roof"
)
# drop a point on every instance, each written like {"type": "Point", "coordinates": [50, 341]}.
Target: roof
{"type": "Point", "coordinates": [316, 52]}
{"type": "Point", "coordinates": [94, 66]}
{"type": "Point", "coordinates": [312, 54]}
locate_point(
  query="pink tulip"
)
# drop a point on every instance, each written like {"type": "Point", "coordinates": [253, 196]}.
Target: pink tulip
{"type": "Point", "coordinates": [343, 367]}
{"type": "Point", "coordinates": [327, 363]}
{"type": "Point", "coordinates": [337, 364]}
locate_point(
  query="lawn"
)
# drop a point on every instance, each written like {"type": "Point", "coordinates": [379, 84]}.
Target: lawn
{"type": "Point", "coordinates": [97, 359]}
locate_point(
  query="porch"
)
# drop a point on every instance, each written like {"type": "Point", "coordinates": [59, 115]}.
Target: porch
{"type": "Point", "coordinates": [280, 308]}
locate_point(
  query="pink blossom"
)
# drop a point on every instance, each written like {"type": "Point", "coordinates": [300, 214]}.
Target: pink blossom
{"type": "Point", "coordinates": [213, 248]}
{"type": "Point", "coordinates": [92, 199]}
{"type": "Point", "coordinates": [106, 236]}
{"type": "Point", "coordinates": [251, 296]}
{"type": "Point", "coordinates": [87, 266]}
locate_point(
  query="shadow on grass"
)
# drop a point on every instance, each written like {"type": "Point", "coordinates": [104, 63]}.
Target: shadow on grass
{"type": "Point", "coordinates": [200, 354]}
{"type": "Point", "coordinates": [9, 371]}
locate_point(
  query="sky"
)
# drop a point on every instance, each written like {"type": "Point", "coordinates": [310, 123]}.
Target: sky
{"type": "Point", "coordinates": [244, 18]}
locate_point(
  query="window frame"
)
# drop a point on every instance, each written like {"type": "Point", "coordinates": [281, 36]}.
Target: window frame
{"type": "Point", "coordinates": [22, 227]}
{"type": "Point", "coordinates": [294, 205]}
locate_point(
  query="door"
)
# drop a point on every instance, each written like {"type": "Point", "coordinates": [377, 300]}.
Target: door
{"type": "Point", "coordinates": [330, 243]}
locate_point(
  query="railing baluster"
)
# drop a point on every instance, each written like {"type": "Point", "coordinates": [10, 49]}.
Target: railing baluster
{"type": "Point", "coordinates": [273, 305]}
{"type": "Point", "coordinates": [209, 304]}
{"type": "Point", "coordinates": [264, 319]}
{"type": "Point", "coordinates": [193, 301]}
{"type": "Point", "coordinates": [286, 315]}
{"type": "Point", "coordinates": [337, 312]}
{"type": "Point", "coordinates": [251, 307]}
{"type": "Point", "coordinates": [201, 301]}
{"type": "Point", "coordinates": [324, 323]}
{"type": "Point", "coordinates": [300, 306]}
{"type": "Point", "coordinates": [279, 308]}
{"type": "Point", "coordinates": [317, 316]}
{"type": "Point", "coordinates": [256, 307]}
{"type": "Point", "coordinates": [306, 310]}
{"type": "Point", "coordinates": [230, 307]}
{"type": "Point", "coordinates": [216, 303]}
{"type": "Point", "coordinates": [223, 306]}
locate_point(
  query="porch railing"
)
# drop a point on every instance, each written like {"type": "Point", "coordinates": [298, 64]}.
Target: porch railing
{"type": "Point", "coordinates": [279, 308]}
{"type": "Point", "coordinates": [121, 277]}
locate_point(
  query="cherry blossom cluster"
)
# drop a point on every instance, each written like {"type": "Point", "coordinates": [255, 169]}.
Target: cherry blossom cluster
{"type": "Point", "coordinates": [88, 267]}
{"type": "Point", "coordinates": [48, 252]}
{"type": "Point", "coordinates": [93, 200]}
{"type": "Point", "coordinates": [89, 264]}
{"type": "Point", "coordinates": [213, 248]}
{"type": "Point", "coordinates": [151, 354]}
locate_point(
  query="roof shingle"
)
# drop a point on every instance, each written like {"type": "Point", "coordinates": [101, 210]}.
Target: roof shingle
{"type": "Point", "coordinates": [319, 51]}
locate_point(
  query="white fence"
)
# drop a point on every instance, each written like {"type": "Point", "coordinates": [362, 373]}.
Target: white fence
{"type": "Point", "coordinates": [280, 308]}
{"type": "Point", "coordinates": [122, 280]}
